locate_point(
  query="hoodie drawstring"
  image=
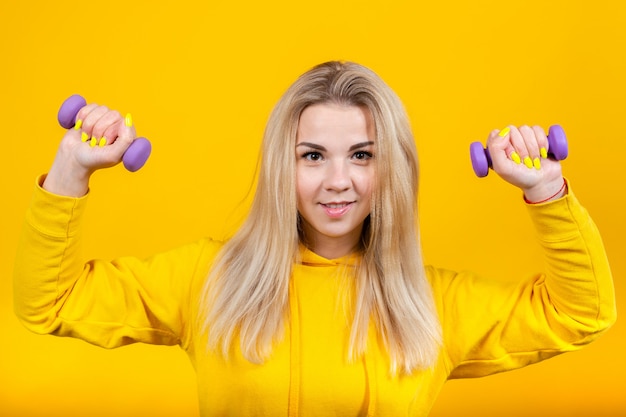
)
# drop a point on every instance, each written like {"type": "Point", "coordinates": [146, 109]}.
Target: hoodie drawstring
{"type": "Point", "coordinates": [370, 380]}
{"type": "Point", "coordinates": [294, 361]}
{"type": "Point", "coordinates": [369, 362]}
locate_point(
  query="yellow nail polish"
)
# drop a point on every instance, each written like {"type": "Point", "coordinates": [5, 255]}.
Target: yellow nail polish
{"type": "Point", "coordinates": [103, 142]}
{"type": "Point", "coordinates": [504, 132]}
{"type": "Point", "coordinates": [84, 137]}
{"type": "Point", "coordinates": [78, 125]}
{"type": "Point", "coordinates": [543, 152]}
{"type": "Point", "coordinates": [93, 141]}
{"type": "Point", "coordinates": [537, 163]}
{"type": "Point", "coordinates": [128, 120]}
{"type": "Point", "coordinates": [528, 162]}
{"type": "Point", "coordinates": [516, 158]}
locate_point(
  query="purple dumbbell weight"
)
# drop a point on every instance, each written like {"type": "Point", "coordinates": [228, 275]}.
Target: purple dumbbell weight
{"type": "Point", "coordinates": [557, 149]}
{"type": "Point", "coordinates": [137, 153]}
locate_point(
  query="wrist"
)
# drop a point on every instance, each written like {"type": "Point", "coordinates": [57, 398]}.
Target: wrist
{"type": "Point", "coordinates": [64, 180]}
{"type": "Point", "coordinates": [546, 193]}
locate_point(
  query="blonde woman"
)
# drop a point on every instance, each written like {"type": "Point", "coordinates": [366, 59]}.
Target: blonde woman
{"type": "Point", "coordinates": [320, 304]}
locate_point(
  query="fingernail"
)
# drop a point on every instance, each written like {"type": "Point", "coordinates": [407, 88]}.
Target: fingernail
{"type": "Point", "coordinates": [528, 162]}
{"type": "Point", "coordinates": [128, 120]}
{"type": "Point", "coordinates": [543, 152]}
{"type": "Point", "coordinates": [516, 158]}
{"type": "Point", "coordinates": [84, 137]}
{"type": "Point", "coordinates": [93, 141]}
{"type": "Point", "coordinates": [103, 142]}
{"type": "Point", "coordinates": [79, 124]}
{"type": "Point", "coordinates": [537, 163]}
{"type": "Point", "coordinates": [504, 132]}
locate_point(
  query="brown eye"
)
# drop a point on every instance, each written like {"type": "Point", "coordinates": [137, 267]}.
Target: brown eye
{"type": "Point", "coordinates": [312, 156]}
{"type": "Point", "coordinates": [362, 155]}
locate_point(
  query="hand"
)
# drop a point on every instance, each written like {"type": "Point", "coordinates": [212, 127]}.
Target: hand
{"type": "Point", "coordinates": [519, 156]}
{"type": "Point", "coordinates": [99, 140]}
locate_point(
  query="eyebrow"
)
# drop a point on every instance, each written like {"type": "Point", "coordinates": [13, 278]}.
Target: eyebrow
{"type": "Point", "coordinates": [321, 148]}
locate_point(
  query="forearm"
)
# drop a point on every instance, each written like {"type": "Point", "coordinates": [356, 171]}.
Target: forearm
{"type": "Point", "coordinates": [65, 179]}
{"type": "Point", "coordinates": [520, 322]}
{"type": "Point", "coordinates": [578, 276]}
{"type": "Point", "coordinates": [47, 259]}
{"type": "Point", "coordinates": [107, 303]}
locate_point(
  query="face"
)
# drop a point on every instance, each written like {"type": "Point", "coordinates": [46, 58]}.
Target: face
{"type": "Point", "coordinates": [335, 171]}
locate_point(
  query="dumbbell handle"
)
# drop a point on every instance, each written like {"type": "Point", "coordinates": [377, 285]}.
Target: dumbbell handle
{"type": "Point", "coordinates": [557, 149]}
{"type": "Point", "coordinates": [137, 153]}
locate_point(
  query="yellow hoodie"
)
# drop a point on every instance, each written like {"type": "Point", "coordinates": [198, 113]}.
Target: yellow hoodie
{"type": "Point", "coordinates": [488, 326]}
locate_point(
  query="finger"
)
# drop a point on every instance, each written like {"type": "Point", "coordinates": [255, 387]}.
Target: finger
{"type": "Point", "coordinates": [83, 112]}
{"type": "Point", "coordinates": [89, 112]}
{"type": "Point", "coordinates": [519, 143]}
{"type": "Point", "coordinates": [500, 141]}
{"type": "Point", "coordinates": [128, 133]}
{"type": "Point", "coordinates": [110, 134]}
{"type": "Point", "coordinates": [106, 127]}
{"type": "Point", "coordinates": [542, 141]}
{"type": "Point", "coordinates": [532, 146]}
{"type": "Point", "coordinates": [500, 150]}
{"type": "Point", "coordinates": [90, 119]}
{"type": "Point", "coordinates": [122, 134]}
{"type": "Point", "coordinates": [119, 136]}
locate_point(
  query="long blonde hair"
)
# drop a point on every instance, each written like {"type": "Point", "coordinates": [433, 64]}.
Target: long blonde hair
{"type": "Point", "coordinates": [246, 295]}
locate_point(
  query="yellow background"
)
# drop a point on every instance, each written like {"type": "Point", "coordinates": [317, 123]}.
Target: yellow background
{"type": "Point", "coordinates": [200, 79]}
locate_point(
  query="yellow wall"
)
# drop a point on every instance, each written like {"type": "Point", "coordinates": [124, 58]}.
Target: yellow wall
{"type": "Point", "coordinates": [200, 78]}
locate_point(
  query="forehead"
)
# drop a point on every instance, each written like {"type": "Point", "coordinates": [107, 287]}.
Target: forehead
{"type": "Point", "coordinates": [331, 122]}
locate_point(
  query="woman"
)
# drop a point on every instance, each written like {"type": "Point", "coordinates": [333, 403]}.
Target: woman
{"type": "Point", "coordinates": [320, 303]}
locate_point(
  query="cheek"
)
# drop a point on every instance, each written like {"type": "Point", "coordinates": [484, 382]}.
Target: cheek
{"type": "Point", "coordinates": [308, 179]}
{"type": "Point", "coordinates": [366, 183]}
{"type": "Point", "coordinates": [304, 187]}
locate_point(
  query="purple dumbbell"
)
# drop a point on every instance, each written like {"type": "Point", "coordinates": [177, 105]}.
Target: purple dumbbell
{"type": "Point", "coordinates": [557, 149]}
{"type": "Point", "coordinates": [137, 153]}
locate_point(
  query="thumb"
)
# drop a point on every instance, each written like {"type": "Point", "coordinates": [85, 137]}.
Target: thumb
{"type": "Point", "coordinates": [123, 137]}
{"type": "Point", "coordinates": [137, 150]}
{"type": "Point", "coordinates": [122, 134]}
{"type": "Point", "coordinates": [501, 150]}
{"type": "Point", "coordinates": [127, 134]}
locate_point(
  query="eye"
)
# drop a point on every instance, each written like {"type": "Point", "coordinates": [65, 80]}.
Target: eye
{"type": "Point", "coordinates": [312, 156]}
{"type": "Point", "coordinates": [362, 155]}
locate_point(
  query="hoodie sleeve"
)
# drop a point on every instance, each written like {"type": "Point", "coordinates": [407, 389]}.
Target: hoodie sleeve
{"type": "Point", "coordinates": [106, 303]}
{"type": "Point", "coordinates": [493, 326]}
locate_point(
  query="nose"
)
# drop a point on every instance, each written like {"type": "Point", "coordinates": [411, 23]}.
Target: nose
{"type": "Point", "coordinates": [338, 176]}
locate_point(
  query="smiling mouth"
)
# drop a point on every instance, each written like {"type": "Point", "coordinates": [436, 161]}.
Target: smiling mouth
{"type": "Point", "coordinates": [336, 205]}
{"type": "Point", "coordinates": [336, 210]}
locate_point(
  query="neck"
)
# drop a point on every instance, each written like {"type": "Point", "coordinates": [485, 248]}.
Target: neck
{"type": "Point", "coordinates": [333, 247]}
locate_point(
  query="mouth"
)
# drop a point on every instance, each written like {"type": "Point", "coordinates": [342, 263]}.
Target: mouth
{"type": "Point", "coordinates": [337, 209]}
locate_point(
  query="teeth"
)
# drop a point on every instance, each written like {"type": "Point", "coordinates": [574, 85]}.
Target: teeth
{"type": "Point", "coordinates": [335, 206]}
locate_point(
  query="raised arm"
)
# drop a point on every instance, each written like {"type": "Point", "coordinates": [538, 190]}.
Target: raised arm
{"type": "Point", "coordinates": [107, 303]}
{"type": "Point", "coordinates": [493, 325]}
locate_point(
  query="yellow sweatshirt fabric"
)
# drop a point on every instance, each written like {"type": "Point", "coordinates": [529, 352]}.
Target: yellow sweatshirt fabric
{"type": "Point", "coordinates": [488, 325]}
